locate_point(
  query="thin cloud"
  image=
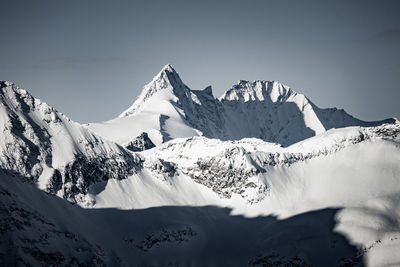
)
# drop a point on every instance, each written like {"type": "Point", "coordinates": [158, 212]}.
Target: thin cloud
{"type": "Point", "coordinates": [65, 62]}
{"type": "Point", "coordinates": [107, 60]}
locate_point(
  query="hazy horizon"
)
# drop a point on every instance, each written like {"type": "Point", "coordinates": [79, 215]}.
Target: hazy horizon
{"type": "Point", "coordinates": [91, 59]}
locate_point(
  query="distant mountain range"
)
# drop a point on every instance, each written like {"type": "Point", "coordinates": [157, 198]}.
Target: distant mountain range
{"type": "Point", "coordinates": [168, 109]}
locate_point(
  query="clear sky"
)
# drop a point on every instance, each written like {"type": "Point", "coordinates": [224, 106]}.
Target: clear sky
{"type": "Point", "coordinates": [90, 59]}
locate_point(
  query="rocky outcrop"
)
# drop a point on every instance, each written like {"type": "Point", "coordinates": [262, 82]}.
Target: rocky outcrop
{"type": "Point", "coordinates": [140, 143]}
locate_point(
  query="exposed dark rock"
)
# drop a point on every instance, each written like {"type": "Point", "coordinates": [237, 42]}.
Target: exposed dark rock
{"type": "Point", "coordinates": [140, 143]}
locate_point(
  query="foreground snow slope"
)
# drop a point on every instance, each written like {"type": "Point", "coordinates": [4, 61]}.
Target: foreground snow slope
{"type": "Point", "coordinates": [39, 229]}
{"type": "Point", "coordinates": [168, 109]}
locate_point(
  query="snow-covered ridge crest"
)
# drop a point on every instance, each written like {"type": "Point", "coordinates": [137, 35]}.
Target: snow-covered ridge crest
{"type": "Point", "coordinates": [167, 79]}
{"type": "Point", "coordinates": [269, 110]}
{"type": "Point", "coordinates": [19, 99]}
{"type": "Point", "coordinates": [59, 155]}
{"type": "Point", "coordinates": [258, 90]}
{"type": "Point", "coordinates": [237, 167]}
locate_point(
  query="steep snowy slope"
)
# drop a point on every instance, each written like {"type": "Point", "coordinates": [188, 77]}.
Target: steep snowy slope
{"type": "Point", "coordinates": [275, 113]}
{"type": "Point", "coordinates": [168, 109]}
{"type": "Point", "coordinates": [61, 156]}
{"type": "Point", "coordinates": [157, 112]}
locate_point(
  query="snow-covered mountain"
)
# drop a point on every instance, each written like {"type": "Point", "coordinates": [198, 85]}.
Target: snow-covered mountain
{"type": "Point", "coordinates": [49, 149]}
{"type": "Point", "coordinates": [258, 177]}
{"type": "Point", "coordinates": [168, 109]}
{"type": "Point", "coordinates": [330, 200]}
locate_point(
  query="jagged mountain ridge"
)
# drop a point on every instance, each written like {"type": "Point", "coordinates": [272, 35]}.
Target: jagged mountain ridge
{"type": "Point", "coordinates": [341, 168]}
{"type": "Point", "coordinates": [66, 158]}
{"type": "Point", "coordinates": [59, 155]}
{"type": "Point", "coordinates": [271, 111]}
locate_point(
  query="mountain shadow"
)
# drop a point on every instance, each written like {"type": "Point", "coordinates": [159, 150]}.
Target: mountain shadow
{"type": "Point", "coordinates": [42, 229]}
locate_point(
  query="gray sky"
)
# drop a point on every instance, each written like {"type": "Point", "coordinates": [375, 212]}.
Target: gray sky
{"type": "Point", "coordinates": [90, 59]}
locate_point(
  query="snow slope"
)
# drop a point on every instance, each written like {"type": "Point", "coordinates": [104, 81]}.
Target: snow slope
{"type": "Point", "coordinates": [47, 148]}
{"type": "Point", "coordinates": [354, 170]}
{"type": "Point", "coordinates": [168, 109]}
{"type": "Point", "coordinates": [39, 229]}
{"type": "Point", "coordinates": [337, 207]}
{"type": "Point", "coordinates": [251, 176]}
{"type": "Point", "coordinates": [156, 112]}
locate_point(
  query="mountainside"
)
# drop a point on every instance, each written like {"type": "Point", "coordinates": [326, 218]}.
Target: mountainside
{"type": "Point", "coordinates": [49, 149]}
{"type": "Point", "coordinates": [259, 177]}
{"type": "Point", "coordinates": [333, 200]}
{"type": "Point", "coordinates": [35, 232]}
{"type": "Point", "coordinates": [168, 109]}
{"type": "Point", "coordinates": [247, 174]}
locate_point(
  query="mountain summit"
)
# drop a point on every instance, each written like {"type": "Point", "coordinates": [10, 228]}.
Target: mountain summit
{"type": "Point", "coordinates": [268, 110]}
{"type": "Point", "coordinates": [166, 80]}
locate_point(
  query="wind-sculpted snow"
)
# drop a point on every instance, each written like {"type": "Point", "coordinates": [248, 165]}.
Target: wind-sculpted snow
{"type": "Point", "coordinates": [374, 226]}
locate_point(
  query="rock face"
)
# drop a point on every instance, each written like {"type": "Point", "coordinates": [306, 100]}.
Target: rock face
{"type": "Point", "coordinates": [140, 143]}
{"type": "Point", "coordinates": [266, 110]}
